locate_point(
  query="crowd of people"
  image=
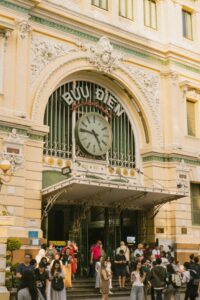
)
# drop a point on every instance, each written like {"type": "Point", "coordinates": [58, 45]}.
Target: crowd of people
{"type": "Point", "coordinates": [48, 275]}
{"type": "Point", "coordinates": [152, 271]}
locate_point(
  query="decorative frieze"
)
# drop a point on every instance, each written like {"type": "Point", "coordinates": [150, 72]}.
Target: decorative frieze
{"type": "Point", "coordinates": [44, 51]}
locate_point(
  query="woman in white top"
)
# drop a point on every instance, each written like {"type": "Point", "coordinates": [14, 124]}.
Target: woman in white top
{"type": "Point", "coordinates": [137, 279]}
{"type": "Point", "coordinates": [97, 273]}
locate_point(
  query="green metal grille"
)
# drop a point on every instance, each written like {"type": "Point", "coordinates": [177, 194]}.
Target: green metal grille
{"type": "Point", "coordinates": [59, 117]}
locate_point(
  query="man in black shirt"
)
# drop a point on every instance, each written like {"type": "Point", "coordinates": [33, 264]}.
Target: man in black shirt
{"type": "Point", "coordinates": [21, 268]}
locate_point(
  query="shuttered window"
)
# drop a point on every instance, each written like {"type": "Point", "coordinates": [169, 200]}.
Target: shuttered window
{"type": "Point", "coordinates": [101, 4]}
{"type": "Point", "coordinates": [191, 118]}
{"type": "Point", "coordinates": [150, 13]}
{"type": "Point", "coordinates": [195, 202]}
{"type": "Point", "coordinates": [126, 9]}
{"type": "Point", "coordinates": [187, 24]}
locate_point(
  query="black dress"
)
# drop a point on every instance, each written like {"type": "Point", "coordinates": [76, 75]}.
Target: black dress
{"type": "Point", "coordinates": [120, 268]}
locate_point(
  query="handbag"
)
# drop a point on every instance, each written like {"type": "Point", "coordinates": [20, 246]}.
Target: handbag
{"type": "Point", "coordinates": [57, 283]}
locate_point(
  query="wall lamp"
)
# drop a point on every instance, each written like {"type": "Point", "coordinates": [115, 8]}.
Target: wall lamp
{"type": "Point", "coordinates": [5, 171]}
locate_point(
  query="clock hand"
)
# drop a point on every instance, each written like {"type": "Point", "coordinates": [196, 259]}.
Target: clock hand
{"type": "Point", "coordinates": [91, 132]}
{"type": "Point", "coordinates": [96, 136]}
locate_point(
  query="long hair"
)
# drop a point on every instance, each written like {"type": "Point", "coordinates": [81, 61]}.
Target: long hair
{"type": "Point", "coordinates": [28, 281]}
{"type": "Point", "coordinates": [141, 269]}
{"type": "Point", "coordinates": [53, 267]}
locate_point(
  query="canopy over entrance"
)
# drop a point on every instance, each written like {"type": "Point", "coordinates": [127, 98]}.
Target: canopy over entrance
{"type": "Point", "coordinates": [96, 192]}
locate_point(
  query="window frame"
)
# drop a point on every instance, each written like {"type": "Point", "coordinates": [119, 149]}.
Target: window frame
{"type": "Point", "coordinates": [186, 12]}
{"type": "Point", "coordinates": [100, 4]}
{"type": "Point", "coordinates": [126, 10]}
{"type": "Point", "coordinates": [194, 210]}
{"type": "Point", "coordinates": [150, 25]}
{"type": "Point", "coordinates": [188, 100]}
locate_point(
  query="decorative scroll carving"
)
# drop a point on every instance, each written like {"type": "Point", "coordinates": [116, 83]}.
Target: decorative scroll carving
{"type": "Point", "coordinates": [149, 83]}
{"type": "Point", "coordinates": [103, 56]}
{"type": "Point", "coordinates": [44, 51]}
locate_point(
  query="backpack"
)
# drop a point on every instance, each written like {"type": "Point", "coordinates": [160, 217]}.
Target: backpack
{"type": "Point", "coordinates": [194, 277]}
{"type": "Point", "coordinates": [176, 279]}
{"type": "Point", "coordinates": [57, 284]}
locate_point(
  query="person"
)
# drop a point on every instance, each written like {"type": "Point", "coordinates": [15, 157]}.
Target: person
{"type": "Point", "coordinates": [156, 252]}
{"type": "Point", "coordinates": [125, 249]}
{"type": "Point", "coordinates": [51, 252]}
{"type": "Point", "coordinates": [28, 289]}
{"type": "Point", "coordinates": [95, 255]}
{"type": "Point", "coordinates": [41, 277]}
{"type": "Point", "coordinates": [109, 270]}
{"type": "Point", "coordinates": [57, 277]}
{"type": "Point", "coordinates": [137, 279]}
{"type": "Point", "coordinates": [33, 263]}
{"type": "Point", "coordinates": [98, 273]}
{"type": "Point", "coordinates": [120, 268]}
{"type": "Point", "coordinates": [41, 253]}
{"type": "Point", "coordinates": [104, 281]}
{"type": "Point", "coordinates": [139, 251]}
{"type": "Point", "coordinates": [57, 257]}
{"type": "Point", "coordinates": [146, 268]}
{"type": "Point", "coordinates": [192, 287]}
{"type": "Point", "coordinates": [173, 284]}
{"type": "Point", "coordinates": [25, 266]}
{"type": "Point", "coordinates": [165, 260]}
{"type": "Point", "coordinates": [67, 265]}
{"type": "Point", "coordinates": [157, 277]}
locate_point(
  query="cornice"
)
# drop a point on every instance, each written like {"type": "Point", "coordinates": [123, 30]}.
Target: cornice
{"type": "Point", "coordinates": [129, 43]}
{"type": "Point", "coordinates": [170, 158]}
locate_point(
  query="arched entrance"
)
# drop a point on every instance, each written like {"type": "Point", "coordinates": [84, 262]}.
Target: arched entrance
{"type": "Point", "coordinates": [86, 217]}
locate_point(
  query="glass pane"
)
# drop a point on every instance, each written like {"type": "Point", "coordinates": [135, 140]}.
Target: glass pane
{"type": "Point", "coordinates": [153, 15]}
{"type": "Point", "coordinates": [104, 4]}
{"type": "Point", "coordinates": [146, 13]}
{"type": "Point", "coordinates": [96, 2]}
{"type": "Point", "coordinates": [184, 24]}
{"type": "Point", "coordinates": [189, 25]}
{"type": "Point", "coordinates": [129, 9]}
{"type": "Point", "coordinates": [122, 8]}
{"type": "Point", "coordinates": [191, 118]}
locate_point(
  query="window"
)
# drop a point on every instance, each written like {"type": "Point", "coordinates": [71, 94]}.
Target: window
{"type": "Point", "coordinates": [187, 24]}
{"type": "Point", "coordinates": [150, 13]}
{"type": "Point", "coordinates": [100, 3]}
{"type": "Point", "coordinates": [191, 118]}
{"type": "Point", "coordinates": [126, 9]}
{"type": "Point", "coordinates": [195, 201]}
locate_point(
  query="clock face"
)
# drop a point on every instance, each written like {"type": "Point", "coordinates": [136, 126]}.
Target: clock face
{"type": "Point", "coordinates": [94, 134]}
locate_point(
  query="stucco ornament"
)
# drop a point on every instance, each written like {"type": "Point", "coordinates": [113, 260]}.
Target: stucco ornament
{"type": "Point", "coordinates": [149, 83]}
{"type": "Point", "coordinates": [24, 28]}
{"type": "Point", "coordinates": [103, 56]}
{"type": "Point", "coordinates": [44, 51]}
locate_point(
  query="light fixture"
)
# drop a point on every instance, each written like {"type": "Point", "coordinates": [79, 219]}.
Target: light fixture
{"type": "Point", "coordinates": [5, 171]}
{"type": "Point", "coordinates": [66, 170]}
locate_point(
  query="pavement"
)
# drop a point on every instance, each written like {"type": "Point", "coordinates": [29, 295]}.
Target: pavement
{"type": "Point", "coordinates": [128, 298]}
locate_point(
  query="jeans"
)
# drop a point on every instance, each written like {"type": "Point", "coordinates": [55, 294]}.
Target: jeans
{"type": "Point", "coordinates": [171, 290]}
{"type": "Point", "coordinates": [137, 293]}
{"type": "Point", "coordinates": [158, 293]}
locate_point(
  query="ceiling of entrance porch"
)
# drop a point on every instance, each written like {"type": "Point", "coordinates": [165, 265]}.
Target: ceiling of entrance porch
{"type": "Point", "coordinates": [123, 195]}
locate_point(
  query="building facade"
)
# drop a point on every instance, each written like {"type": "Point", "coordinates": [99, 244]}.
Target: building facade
{"type": "Point", "coordinates": [99, 111]}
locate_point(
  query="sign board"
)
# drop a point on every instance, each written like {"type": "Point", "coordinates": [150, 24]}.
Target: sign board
{"type": "Point", "coordinates": [131, 239]}
{"type": "Point", "coordinates": [33, 234]}
{"type": "Point", "coordinates": [58, 243]}
{"type": "Point", "coordinates": [35, 242]}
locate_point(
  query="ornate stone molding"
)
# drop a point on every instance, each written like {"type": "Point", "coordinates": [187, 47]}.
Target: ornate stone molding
{"type": "Point", "coordinates": [149, 84]}
{"type": "Point", "coordinates": [24, 28]}
{"type": "Point", "coordinates": [103, 56]}
{"type": "Point", "coordinates": [44, 51]}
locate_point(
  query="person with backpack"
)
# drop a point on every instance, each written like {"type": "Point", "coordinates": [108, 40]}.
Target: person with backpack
{"type": "Point", "coordinates": [57, 276]}
{"type": "Point", "coordinates": [191, 278]}
{"type": "Point", "coordinates": [157, 278]}
{"type": "Point", "coordinates": [173, 281]}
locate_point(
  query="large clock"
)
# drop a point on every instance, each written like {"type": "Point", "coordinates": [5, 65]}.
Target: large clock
{"type": "Point", "coordinates": [94, 134]}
